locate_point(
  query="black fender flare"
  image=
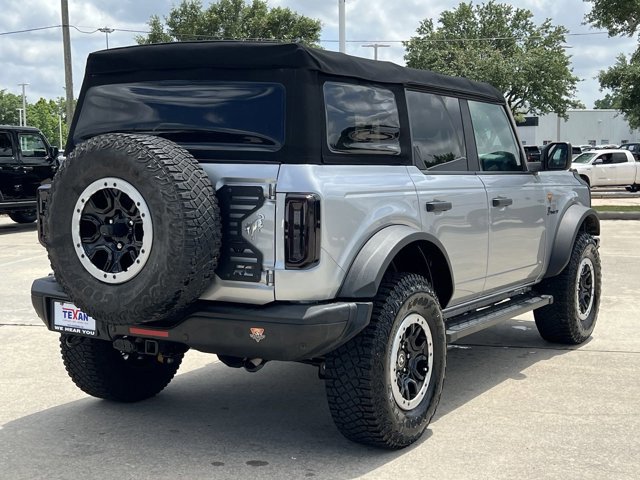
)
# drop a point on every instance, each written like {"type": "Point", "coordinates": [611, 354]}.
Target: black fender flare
{"type": "Point", "coordinates": [365, 274]}
{"type": "Point", "coordinates": [570, 224]}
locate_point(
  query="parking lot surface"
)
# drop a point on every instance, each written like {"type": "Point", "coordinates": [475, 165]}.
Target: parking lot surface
{"type": "Point", "coordinates": [513, 405]}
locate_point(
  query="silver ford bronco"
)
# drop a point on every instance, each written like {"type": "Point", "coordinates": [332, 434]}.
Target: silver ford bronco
{"type": "Point", "coordinates": [265, 201]}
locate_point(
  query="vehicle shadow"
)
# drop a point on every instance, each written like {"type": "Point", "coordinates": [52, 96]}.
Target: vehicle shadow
{"type": "Point", "coordinates": [7, 228]}
{"type": "Point", "coordinates": [227, 423]}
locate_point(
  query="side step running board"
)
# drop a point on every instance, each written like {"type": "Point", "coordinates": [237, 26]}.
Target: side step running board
{"type": "Point", "coordinates": [458, 327]}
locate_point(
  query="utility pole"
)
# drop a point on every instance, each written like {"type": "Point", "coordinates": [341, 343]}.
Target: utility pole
{"type": "Point", "coordinates": [68, 72]}
{"type": "Point", "coordinates": [24, 104]}
{"type": "Point", "coordinates": [106, 31]}
{"type": "Point", "coordinates": [342, 25]}
{"type": "Point", "coordinates": [20, 117]}
{"type": "Point", "coordinates": [375, 47]}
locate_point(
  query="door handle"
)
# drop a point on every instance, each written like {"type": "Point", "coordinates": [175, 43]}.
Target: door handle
{"type": "Point", "coordinates": [28, 169]}
{"type": "Point", "coordinates": [438, 206]}
{"type": "Point", "coordinates": [501, 202]}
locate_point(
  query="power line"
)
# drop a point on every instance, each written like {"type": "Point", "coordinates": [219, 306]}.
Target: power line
{"type": "Point", "coordinates": [30, 30]}
{"type": "Point", "coordinates": [93, 30]}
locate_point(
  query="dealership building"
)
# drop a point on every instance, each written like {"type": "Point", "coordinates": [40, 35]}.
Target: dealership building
{"type": "Point", "coordinates": [582, 127]}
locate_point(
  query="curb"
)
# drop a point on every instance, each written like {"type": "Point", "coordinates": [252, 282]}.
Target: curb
{"type": "Point", "coordinates": [619, 215]}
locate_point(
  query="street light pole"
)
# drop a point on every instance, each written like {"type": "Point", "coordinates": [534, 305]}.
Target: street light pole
{"type": "Point", "coordinates": [342, 26]}
{"type": "Point", "coordinates": [375, 47]}
{"type": "Point", "coordinates": [24, 104]}
{"type": "Point", "coordinates": [106, 31]}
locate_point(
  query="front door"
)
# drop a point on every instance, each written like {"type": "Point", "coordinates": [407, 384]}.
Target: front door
{"type": "Point", "coordinates": [37, 164]}
{"type": "Point", "coordinates": [516, 199]}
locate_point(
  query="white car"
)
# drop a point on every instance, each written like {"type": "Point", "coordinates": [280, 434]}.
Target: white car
{"type": "Point", "coordinates": [608, 168]}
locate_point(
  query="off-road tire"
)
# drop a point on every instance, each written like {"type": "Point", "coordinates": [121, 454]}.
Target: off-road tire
{"type": "Point", "coordinates": [358, 380]}
{"type": "Point", "coordinates": [25, 216]}
{"type": "Point", "coordinates": [560, 321]}
{"type": "Point", "coordinates": [184, 212]}
{"type": "Point", "coordinates": [104, 372]}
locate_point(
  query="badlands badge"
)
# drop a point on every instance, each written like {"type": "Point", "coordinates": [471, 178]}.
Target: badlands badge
{"type": "Point", "coordinates": [257, 334]}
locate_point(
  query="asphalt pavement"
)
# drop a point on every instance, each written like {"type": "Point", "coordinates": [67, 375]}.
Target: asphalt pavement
{"type": "Point", "coordinates": [513, 406]}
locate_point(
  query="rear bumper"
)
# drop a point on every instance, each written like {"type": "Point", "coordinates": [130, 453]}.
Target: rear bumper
{"type": "Point", "coordinates": [278, 331]}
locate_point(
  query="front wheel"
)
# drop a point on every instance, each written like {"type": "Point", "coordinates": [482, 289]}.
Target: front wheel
{"type": "Point", "coordinates": [383, 386]}
{"type": "Point", "coordinates": [104, 372]}
{"type": "Point", "coordinates": [572, 316]}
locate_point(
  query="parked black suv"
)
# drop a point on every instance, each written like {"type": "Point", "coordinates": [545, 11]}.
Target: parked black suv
{"type": "Point", "coordinates": [26, 161]}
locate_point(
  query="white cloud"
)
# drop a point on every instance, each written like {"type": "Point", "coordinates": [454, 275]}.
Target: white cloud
{"type": "Point", "coordinates": [37, 57]}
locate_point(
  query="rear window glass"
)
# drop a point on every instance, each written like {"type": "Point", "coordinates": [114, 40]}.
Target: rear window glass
{"type": "Point", "coordinates": [361, 119]}
{"type": "Point", "coordinates": [233, 115]}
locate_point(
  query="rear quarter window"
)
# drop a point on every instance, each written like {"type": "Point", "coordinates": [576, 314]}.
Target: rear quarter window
{"type": "Point", "coordinates": [361, 119]}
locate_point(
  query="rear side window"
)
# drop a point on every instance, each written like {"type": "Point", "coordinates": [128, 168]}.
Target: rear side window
{"type": "Point", "coordinates": [619, 157]}
{"type": "Point", "coordinates": [498, 150]}
{"type": "Point", "coordinates": [6, 149]}
{"type": "Point", "coordinates": [436, 132]}
{"type": "Point", "coordinates": [361, 119]}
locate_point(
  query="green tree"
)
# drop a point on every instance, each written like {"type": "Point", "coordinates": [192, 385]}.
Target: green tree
{"type": "Point", "coordinates": [617, 16]}
{"type": "Point", "coordinates": [623, 79]}
{"type": "Point", "coordinates": [231, 19]}
{"type": "Point", "coordinates": [608, 102]}
{"type": "Point", "coordinates": [9, 105]}
{"type": "Point", "coordinates": [501, 45]}
{"type": "Point", "coordinates": [620, 17]}
{"type": "Point", "coordinates": [47, 115]}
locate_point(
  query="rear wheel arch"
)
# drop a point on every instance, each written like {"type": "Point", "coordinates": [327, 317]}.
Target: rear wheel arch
{"type": "Point", "coordinates": [399, 249]}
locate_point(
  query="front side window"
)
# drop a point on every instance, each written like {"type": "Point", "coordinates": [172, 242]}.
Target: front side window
{"type": "Point", "coordinates": [213, 115]}
{"type": "Point", "coordinates": [32, 145]}
{"type": "Point", "coordinates": [498, 149]}
{"type": "Point", "coordinates": [436, 132]}
{"type": "Point", "coordinates": [361, 119]}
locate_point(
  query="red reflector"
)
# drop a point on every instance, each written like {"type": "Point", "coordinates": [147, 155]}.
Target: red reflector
{"type": "Point", "coordinates": [148, 332]}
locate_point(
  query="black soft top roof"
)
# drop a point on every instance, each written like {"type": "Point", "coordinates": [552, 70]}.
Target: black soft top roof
{"type": "Point", "coordinates": [267, 55]}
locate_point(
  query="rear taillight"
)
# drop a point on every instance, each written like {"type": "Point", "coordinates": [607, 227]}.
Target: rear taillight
{"type": "Point", "coordinates": [301, 230]}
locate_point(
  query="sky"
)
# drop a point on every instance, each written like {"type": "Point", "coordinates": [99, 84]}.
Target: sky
{"type": "Point", "coordinates": [36, 57]}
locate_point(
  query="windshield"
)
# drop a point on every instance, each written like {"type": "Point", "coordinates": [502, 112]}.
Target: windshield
{"type": "Point", "coordinates": [584, 158]}
{"type": "Point", "coordinates": [218, 115]}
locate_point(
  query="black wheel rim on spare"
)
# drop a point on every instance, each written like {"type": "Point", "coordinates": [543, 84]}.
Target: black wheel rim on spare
{"type": "Point", "coordinates": [112, 230]}
{"type": "Point", "coordinates": [585, 288]}
{"type": "Point", "coordinates": [411, 361]}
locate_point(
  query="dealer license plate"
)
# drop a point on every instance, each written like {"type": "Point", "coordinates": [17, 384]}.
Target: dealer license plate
{"type": "Point", "coordinates": [68, 318]}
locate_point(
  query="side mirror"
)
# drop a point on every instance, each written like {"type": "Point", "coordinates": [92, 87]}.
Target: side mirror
{"type": "Point", "coordinates": [556, 156]}
{"type": "Point", "coordinates": [54, 152]}
{"type": "Point", "coordinates": [597, 161]}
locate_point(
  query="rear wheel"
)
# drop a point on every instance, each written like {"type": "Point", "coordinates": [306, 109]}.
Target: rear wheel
{"type": "Point", "coordinates": [25, 216]}
{"type": "Point", "coordinates": [104, 372]}
{"type": "Point", "coordinates": [572, 316]}
{"type": "Point", "coordinates": [383, 386]}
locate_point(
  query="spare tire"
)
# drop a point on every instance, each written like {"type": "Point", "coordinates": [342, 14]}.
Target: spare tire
{"type": "Point", "coordinates": [134, 228]}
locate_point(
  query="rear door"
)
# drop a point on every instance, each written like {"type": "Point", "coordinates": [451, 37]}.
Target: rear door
{"type": "Point", "coordinates": [10, 168]}
{"type": "Point", "coordinates": [515, 197]}
{"type": "Point", "coordinates": [452, 199]}
{"type": "Point", "coordinates": [625, 168]}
